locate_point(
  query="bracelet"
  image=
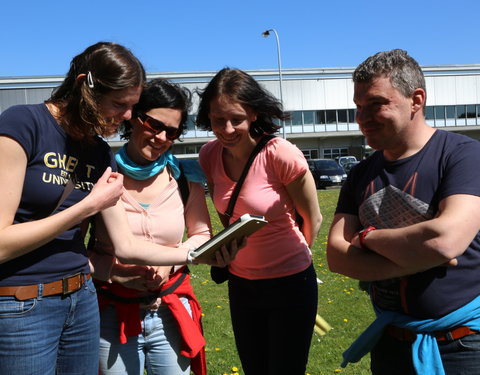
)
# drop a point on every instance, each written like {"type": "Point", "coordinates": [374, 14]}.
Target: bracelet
{"type": "Point", "coordinates": [362, 234]}
{"type": "Point", "coordinates": [190, 256]}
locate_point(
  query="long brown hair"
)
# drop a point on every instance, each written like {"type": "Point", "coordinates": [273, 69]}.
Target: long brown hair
{"type": "Point", "coordinates": [242, 88]}
{"type": "Point", "coordinates": [108, 67]}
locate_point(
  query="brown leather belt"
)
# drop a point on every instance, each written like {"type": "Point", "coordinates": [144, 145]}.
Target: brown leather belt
{"type": "Point", "coordinates": [65, 286]}
{"type": "Point", "coordinates": [404, 334]}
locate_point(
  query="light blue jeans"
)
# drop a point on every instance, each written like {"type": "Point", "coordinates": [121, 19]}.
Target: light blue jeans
{"type": "Point", "coordinates": [50, 335]}
{"type": "Point", "coordinates": [157, 348]}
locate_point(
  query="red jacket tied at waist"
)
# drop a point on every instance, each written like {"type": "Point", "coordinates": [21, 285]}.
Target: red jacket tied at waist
{"type": "Point", "coordinates": [190, 327]}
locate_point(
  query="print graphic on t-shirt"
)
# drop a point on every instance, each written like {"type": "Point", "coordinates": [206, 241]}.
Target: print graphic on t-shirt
{"type": "Point", "coordinates": [68, 171]}
{"type": "Point", "coordinates": [392, 208]}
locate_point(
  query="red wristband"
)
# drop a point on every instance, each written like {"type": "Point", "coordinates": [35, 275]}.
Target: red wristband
{"type": "Point", "coordinates": [362, 234]}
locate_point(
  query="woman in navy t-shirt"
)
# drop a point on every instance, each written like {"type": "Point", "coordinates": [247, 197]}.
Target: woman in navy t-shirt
{"type": "Point", "coordinates": [48, 306]}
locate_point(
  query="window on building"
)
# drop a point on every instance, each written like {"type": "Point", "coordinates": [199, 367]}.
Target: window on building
{"type": "Point", "coordinates": [297, 122]}
{"type": "Point", "coordinates": [461, 115]}
{"type": "Point", "coordinates": [342, 116]}
{"type": "Point", "coordinates": [310, 153]}
{"type": "Point", "coordinates": [191, 149]}
{"type": "Point", "coordinates": [440, 115]}
{"type": "Point", "coordinates": [429, 116]}
{"type": "Point", "coordinates": [289, 115]}
{"type": "Point", "coordinates": [351, 116]}
{"type": "Point", "coordinates": [471, 111]}
{"type": "Point", "coordinates": [297, 118]}
{"type": "Point", "coordinates": [331, 116]}
{"type": "Point", "coordinates": [320, 117]}
{"type": "Point", "coordinates": [191, 122]}
{"type": "Point", "coordinates": [332, 153]}
{"type": "Point", "coordinates": [471, 115]}
{"type": "Point", "coordinates": [440, 112]}
{"type": "Point", "coordinates": [308, 117]}
{"type": "Point", "coordinates": [429, 113]}
{"type": "Point", "coordinates": [450, 112]}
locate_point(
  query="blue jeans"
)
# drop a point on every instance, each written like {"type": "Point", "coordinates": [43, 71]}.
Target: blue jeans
{"type": "Point", "coordinates": [50, 335]}
{"type": "Point", "coordinates": [157, 348]}
{"type": "Point", "coordinates": [273, 322]}
{"type": "Point", "coordinates": [394, 357]}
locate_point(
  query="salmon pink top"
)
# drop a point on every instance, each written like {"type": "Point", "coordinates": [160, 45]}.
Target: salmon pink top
{"type": "Point", "coordinates": [279, 248]}
{"type": "Point", "coordinates": [164, 223]}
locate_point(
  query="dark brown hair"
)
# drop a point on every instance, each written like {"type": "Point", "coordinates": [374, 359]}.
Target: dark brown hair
{"type": "Point", "coordinates": [242, 88]}
{"type": "Point", "coordinates": [109, 67]}
{"type": "Point", "coordinates": [161, 93]}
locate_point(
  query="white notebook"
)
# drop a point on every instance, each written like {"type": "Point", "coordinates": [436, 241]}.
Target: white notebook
{"type": "Point", "coordinates": [244, 226]}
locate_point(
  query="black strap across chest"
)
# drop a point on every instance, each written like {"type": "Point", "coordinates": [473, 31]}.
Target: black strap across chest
{"type": "Point", "coordinates": [233, 199]}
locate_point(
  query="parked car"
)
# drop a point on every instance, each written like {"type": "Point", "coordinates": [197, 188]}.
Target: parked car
{"type": "Point", "coordinates": [342, 160]}
{"type": "Point", "coordinates": [326, 172]}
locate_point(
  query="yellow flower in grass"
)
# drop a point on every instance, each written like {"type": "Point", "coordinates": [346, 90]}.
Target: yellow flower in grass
{"type": "Point", "coordinates": [338, 370]}
{"type": "Point", "coordinates": [345, 320]}
{"type": "Point", "coordinates": [217, 349]}
{"type": "Point", "coordinates": [234, 369]}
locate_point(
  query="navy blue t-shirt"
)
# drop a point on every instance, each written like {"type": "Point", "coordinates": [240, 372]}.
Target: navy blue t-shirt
{"type": "Point", "coordinates": [395, 194]}
{"type": "Point", "coordinates": [53, 158]}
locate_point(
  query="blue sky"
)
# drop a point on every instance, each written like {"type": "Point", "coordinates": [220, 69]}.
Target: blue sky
{"type": "Point", "coordinates": [41, 37]}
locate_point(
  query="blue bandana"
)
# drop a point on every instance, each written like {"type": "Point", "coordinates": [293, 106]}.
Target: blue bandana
{"type": "Point", "coordinates": [142, 172]}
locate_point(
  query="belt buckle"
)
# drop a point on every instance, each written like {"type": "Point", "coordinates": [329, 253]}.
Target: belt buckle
{"type": "Point", "coordinates": [65, 283]}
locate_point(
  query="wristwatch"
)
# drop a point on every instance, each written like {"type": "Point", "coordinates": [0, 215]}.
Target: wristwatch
{"type": "Point", "coordinates": [190, 256]}
{"type": "Point", "coordinates": [362, 234]}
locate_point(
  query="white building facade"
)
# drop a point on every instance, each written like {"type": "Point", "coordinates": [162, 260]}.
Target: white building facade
{"type": "Point", "coordinates": [322, 113]}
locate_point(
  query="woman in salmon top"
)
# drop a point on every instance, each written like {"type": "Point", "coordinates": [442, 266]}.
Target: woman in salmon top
{"type": "Point", "coordinates": [272, 283]}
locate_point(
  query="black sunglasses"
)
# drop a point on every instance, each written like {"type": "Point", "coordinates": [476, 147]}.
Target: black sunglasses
{"type": "Point", "coordinates": [156, 126]}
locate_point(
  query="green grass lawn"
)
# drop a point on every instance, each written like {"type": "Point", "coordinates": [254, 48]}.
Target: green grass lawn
{"type": "Point", "coordinates": [341, 303]}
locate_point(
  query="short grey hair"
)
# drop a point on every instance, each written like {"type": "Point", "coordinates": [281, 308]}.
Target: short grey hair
{"type": "Point", "coordinates": [403, 71]}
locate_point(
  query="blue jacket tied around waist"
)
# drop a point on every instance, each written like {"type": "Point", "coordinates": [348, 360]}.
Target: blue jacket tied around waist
{"type": "Point", "coordinates": [425, 352]}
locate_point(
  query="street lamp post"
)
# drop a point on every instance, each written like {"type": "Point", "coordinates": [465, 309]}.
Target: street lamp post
{"type": "Point", "coordinates": [265, 34]}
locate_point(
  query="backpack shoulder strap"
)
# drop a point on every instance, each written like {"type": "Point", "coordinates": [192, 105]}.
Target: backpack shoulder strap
{"type": "Point", "coordinates": [183, 186]}
{"type": "Point", "coordinates": [258, 147]}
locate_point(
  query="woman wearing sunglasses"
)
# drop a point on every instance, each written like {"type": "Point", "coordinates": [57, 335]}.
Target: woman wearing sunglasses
{"type": "Point", "coordinates": [149, 315]}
